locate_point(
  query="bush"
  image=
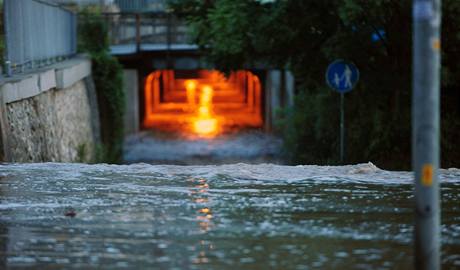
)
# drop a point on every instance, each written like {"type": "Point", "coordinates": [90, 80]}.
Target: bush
{"type": "Point", "coordinates": [307, 128]}
{"type": "Point", "coordinates": [374, 130]}
{"type": "Point", "coordinates": [108, 79]}
{"type": "Point", "coordinates": [93, 32]}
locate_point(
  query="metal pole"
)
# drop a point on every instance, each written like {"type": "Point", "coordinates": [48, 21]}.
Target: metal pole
{"type": "Point", "coordinates": [425, 131]}
{"type": "Point", "coordinates": [342, 128]}
{"type": "Point", "coordinates": [6, 25]}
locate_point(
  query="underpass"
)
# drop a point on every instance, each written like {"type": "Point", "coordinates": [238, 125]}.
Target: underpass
{"type": "Point", "coordinates": [171, 88]}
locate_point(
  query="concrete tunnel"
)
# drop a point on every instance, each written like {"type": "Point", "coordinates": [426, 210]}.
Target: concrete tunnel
{"type": "Point", "coordinates": [205, 102]}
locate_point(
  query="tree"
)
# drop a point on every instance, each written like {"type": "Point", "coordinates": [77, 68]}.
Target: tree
{"type": "Point", "coordinates": [305, 36]}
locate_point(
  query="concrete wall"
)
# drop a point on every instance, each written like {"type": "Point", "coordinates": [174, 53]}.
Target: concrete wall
{"type": "Point", "coordinates": [279, 93]}
{"type": "Point", "coordinates": [50, 115]}
{"type": "Point", "coordinates": [131, 88]}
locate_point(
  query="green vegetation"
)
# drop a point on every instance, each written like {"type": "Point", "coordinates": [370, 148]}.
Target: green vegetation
{"type": "Point", "coordinates": [108, 78]}
{"type": "Point", "coordinates": [82, 153]}
{"type": "Point", "coordinates": [305, 36]}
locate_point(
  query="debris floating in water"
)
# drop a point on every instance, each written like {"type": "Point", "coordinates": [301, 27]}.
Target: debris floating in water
{"type": "Point", "coordinates": [70, 213]}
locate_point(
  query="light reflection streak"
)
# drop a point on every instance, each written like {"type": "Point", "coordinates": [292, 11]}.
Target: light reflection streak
{"type": "Point", "coordinates": [199, 192]}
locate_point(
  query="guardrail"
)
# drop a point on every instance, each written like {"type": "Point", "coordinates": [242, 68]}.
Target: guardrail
{"type": "Point", "coordinates": [2, 44]}
{"type": "Point", "coordinates": [141, 5]}
{"type": "Point", "coordinates": [153, 28]}
{"type": "Point", "coordinates": [122, 5]}
{"type": "Point", "coordinates": [37, 33]}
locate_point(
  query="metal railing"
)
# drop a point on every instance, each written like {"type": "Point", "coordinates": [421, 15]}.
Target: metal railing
{"type": "Point", "coordinates": [141, 5]}
{"type": "Point", "coordinates": [83, 2]}
{"type": "Point", "coordinates": [142, 29]}
{"type": "Point", "coordinates": [135, 32]}
{"type": "Point", "coordinates": [37, 33]}
{"type": "Point", "coordinates": [122, 5]}
{"type": "Point", "coordinates": [2, 44]}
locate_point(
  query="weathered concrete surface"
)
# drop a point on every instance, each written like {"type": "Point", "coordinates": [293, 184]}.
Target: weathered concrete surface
{"type": "Point", "coordinates": [49, 114]}
{"type": "Point", "coordinates": [279, 93]}
{"type": "Point", "coordinates": [131, 88]}
{"type": "Point", "coordinates": [53, 126]}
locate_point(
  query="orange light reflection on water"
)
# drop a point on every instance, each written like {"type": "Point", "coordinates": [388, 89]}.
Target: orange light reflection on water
{"type": "Point", "coordinates": [204, 216]}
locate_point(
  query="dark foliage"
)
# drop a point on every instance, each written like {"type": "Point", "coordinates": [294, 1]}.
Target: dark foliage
{"type": "Point", "coordinates": [305, 36]}
{"type": "Point", "coordinates": [107, 75]}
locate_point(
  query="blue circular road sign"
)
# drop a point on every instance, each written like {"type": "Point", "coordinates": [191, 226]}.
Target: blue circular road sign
{"type": "Point", "coordinates": [342, 76]}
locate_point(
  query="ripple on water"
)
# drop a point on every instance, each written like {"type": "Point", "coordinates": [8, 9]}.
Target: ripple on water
{"type": "Point", "coordinates": [229, 216]}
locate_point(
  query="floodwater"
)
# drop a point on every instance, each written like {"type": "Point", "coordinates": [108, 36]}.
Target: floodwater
{"type": "Point", "coordinates": [250, 146]}
{"type": "Point", "coordinates": [214, 217]}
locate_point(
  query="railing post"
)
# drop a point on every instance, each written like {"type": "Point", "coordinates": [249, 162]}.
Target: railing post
{"type": "Point", "coordinates": [6, 22]}
{"type": "Point", "coordinates": [74, 22]}
{"type": "Point", "coordinates": [168, 41]}
{"type": "Point", "coordinates": [138, 32]}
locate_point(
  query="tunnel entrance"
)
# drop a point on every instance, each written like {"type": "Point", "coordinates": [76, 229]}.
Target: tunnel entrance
{"type": "Point", "coordinates": [202, 102]}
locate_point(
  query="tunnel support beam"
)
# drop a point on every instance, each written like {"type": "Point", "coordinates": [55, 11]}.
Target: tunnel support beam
{"type": "Point", "coordinates": [425, 133]}
{"type": "Point", "coordinates": [279, 93]}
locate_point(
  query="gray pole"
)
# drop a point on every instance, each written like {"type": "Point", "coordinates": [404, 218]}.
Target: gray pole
{"type": "Point", "coordinates": [425, 131]}
{"type": "Point", "coordinates": [342, 128]}
{"type": "Point", "coordinates": [6, 26]}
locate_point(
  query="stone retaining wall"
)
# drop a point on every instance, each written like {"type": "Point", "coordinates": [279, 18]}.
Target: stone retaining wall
{"type": "Point", "coordinates": [50, 115]}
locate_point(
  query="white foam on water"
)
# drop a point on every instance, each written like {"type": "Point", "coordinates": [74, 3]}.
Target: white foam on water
{"type": "Point", "coordinates": [124, 210]}
{"type": "Point", "coordinates": [359, 173]}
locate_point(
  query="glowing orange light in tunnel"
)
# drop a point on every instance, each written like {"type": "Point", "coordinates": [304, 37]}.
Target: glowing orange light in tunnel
{"type": "Point", "coordinates": [190, 87]}
{"type": "Point", "coordinates": [205, 124]}
{"type": "Point", "coordinates": [203, 102]}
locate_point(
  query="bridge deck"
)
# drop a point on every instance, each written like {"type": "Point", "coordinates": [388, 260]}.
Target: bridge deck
{"type": "Point", "coordinates": [126, 49]}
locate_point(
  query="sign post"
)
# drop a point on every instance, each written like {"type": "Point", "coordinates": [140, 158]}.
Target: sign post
{"type": "Point", "coordinates": [342, 77]}
{"type": "Point", "coordinates": [425, 131]}
{"type": "Point", "coordinates": [342, 127]}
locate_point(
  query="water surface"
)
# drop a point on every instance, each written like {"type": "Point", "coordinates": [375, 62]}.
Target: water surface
{"type": "Point", "coordinates": [214, 217]}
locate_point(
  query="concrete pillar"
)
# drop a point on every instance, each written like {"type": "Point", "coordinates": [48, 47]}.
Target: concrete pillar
{"type": "Point", "coordinates": [272, 97]}
{"type": "Point", "coordinates": [94, 109]}
{"type": "Point", "coordinates": [289, 87]}
{"type": "Point", "coordinates": [131, 88]}
{"type": "Point", "coordinates": [279, 93]}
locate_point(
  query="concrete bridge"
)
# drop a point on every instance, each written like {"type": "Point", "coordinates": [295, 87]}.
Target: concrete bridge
{"type": "Point", "coordinates": [158, 60]}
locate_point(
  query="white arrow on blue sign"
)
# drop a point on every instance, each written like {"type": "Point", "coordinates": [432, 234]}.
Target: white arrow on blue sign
{"type": "Point", "coordinates": [342, 76]}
